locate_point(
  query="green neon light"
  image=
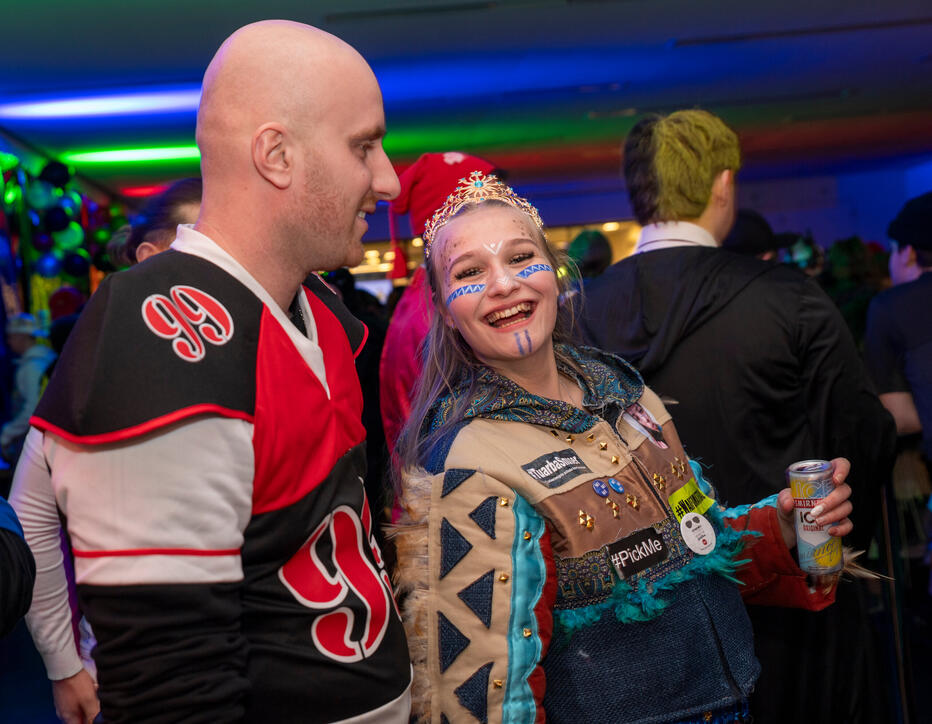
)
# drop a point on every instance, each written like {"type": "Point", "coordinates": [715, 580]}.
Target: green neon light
{"type": "Point", "coordinates": [132, 155]}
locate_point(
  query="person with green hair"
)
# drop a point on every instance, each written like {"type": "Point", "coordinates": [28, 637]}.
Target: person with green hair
{"type": "Point", "coordinates": [764, 373]}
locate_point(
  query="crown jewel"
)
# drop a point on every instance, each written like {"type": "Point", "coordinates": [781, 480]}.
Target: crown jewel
{"type": "Point", "coordinates": [475, 189]}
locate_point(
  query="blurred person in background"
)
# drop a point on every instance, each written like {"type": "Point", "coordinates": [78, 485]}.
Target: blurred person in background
{"type": "Point", "coordinates": [591, 252]}
{"type": "Point", "coordinates": [425, 185]}
{"type": "Point", "coordinates": [32, 361]}
{"type": "Point", "coordinates": [17, 570]}
{"type": "Point", "coordinates": [761, 372]}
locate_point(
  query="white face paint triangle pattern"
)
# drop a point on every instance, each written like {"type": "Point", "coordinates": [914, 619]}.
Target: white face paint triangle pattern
{"type": "Point", "coordinates": [494, 248]}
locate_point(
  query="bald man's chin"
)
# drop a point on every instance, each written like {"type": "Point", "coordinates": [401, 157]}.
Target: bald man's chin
{"type": "Point", "coordinates": [355, 255]}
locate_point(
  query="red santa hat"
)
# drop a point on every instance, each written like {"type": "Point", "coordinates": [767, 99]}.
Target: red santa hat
{"type": "Point", "coordinates": [427, 182]}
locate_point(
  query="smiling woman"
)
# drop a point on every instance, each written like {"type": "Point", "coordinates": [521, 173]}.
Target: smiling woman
{"type": "Point", "coordinates": [540, 510]}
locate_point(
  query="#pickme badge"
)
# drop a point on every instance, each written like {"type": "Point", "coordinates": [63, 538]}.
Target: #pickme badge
{"type": "Point", "coordinates": [637, 552]}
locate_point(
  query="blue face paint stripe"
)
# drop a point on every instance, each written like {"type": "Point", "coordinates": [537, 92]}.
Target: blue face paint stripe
{"type": "Point", "coordinates": [527, 338]}
{"type": "Point", "coordinates": [533, 269]}
{"type": "Point", "coordinates": [518, 341]}
{"type": "Point", "coordinates": [468, 289]}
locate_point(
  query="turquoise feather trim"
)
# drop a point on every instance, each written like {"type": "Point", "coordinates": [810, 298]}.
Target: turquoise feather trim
{"type": "Point", "coordinates": [630, 605]}
{"type": "Point", "coordinates": [741, 510]}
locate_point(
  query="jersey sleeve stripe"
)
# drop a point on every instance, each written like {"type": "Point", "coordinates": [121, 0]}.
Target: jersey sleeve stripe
{"type": "Point", "coordinates": [156, 552]}
{"type": "Point", "coordinates": [142, 429]}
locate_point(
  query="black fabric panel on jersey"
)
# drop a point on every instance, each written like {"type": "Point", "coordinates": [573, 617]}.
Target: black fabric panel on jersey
{"type": "Point", "coordinates": [273, 620]}
{"type": "Point", "coordinates": [355, 330]}
{"type": "Point", "coordinates": [115, 373]}
{"type": "Point", "coordinates": [168, 654]}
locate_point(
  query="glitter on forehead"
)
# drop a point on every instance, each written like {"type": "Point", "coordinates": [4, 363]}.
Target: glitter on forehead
{"type": "Point", "coordinates": [474, 190]}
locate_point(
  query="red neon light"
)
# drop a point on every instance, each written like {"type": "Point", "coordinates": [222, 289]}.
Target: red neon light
{"type": "Point", "coordinates": [142, 191]}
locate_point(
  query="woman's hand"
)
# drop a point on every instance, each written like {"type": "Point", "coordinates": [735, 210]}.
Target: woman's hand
{"type": "Point", "coordinates": [833, 511]}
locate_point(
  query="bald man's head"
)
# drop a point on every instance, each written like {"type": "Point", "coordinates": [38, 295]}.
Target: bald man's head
{"type": "Point", "coordinates": [290, 130]}
{"type": "Point", "coordinates": [270, 71]}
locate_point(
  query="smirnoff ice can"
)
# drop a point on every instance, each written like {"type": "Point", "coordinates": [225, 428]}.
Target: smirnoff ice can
{"type": "Point", "coordinates": [811, 481]}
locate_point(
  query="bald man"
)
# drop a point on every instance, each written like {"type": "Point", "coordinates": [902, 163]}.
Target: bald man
{"type": "Point", "coordinates": [202, 434]}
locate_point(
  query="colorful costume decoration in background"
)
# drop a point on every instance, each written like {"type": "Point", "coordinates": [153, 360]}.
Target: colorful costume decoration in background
{"type": "Point", "coordinates": [424, 187]}
{"type": "Point", "coordinates": [558, 561]}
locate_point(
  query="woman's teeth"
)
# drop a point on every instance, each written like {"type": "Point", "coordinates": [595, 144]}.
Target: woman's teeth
{"type": "Point", "coordinates": [504, 317]}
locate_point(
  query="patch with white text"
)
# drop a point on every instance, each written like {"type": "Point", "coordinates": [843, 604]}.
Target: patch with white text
{"type": "Point", "coordinates": [556, 468]}
{"type": "Point", "coordinates": [638, 552]}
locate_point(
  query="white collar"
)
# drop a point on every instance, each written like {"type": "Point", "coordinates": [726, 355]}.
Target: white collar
{"type": "Point", "coordinates": [666, 234]}
{"type": "Point", "coordinates": [190, 241]}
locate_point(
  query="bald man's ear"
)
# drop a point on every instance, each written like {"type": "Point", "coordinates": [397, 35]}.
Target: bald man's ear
{"type": "Point", "coordinates": [272, 155]}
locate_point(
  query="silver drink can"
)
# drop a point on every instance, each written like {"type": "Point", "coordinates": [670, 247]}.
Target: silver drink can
{"type": "Point", "coordinates": [811, 481]}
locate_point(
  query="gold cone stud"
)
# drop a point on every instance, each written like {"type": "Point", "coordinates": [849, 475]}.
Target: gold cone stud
{"type": "Point", "coordinates": [586, 520]}
{"type": "Point", "coordinates": [615, 459]}
{"type": "Point", "coordinates": [527, 633]}
{"type": "Point", "coordinates": [555, 433]}
{"type": "Point", "coordinates": [632, 500]}
{"type": "Point", "coordinates": [503, 578]}
{"type": "Point", "coordinates": [615, 510]}
{"type": "Point", "coordinates": [569, 439]}
{"type": "Point", "coordinates": [590, 437]}
{"type": "Point", "coordinates": [660, 481]}
{"type": "Point", "coordinates": [498, 683]}
{"type": "Point", "coordinates": [503, 502]}
{"type": "Point", "coordinates": [527, 535]}
{"type": "Point", "coordinates": [603, 446]}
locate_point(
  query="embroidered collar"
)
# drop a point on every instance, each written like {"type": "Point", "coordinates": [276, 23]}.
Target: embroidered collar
{"type": "Point", "coordinates": [603, 377]}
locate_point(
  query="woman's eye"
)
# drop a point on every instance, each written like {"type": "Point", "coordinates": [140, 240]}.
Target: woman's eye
{"type": "Point", "coordinates": [523, 256]}
{"type": "Point", "coordinates": [471, 272]}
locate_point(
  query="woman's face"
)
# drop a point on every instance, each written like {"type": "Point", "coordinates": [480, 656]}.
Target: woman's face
{"type": "Point", "coordinates": [499, 288]}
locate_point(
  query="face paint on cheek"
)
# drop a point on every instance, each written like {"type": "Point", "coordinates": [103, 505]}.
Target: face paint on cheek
{"type": "Point", "coordinates": [527, 338]}
{"type": "Point", "coordinates": [518, 342]}
{"type": "Point", "coordinates": [468, 289]}
{"type": "Point", "coordinates": [533, 269]}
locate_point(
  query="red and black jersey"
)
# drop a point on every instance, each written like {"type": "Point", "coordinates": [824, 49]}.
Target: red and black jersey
{"type": "Point", "coordinates": [310, 632]}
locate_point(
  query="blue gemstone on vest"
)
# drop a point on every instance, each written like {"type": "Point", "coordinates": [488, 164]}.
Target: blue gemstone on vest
{"type": "Point", "coordinates": [616, 486]}
{"type": "Point", "coordinates": [600, 488]}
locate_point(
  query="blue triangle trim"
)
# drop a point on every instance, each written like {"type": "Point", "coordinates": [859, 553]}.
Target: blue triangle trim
{"type": "Point", "coordinates": [451, 641]}
{"type": "Point", "coordinates": [478, 596]}
{"type": "Point", "coordinates": [484, 516]}
{"type": "Point", "coordinates": [453, 546]}
{"type": "Point", "coordinates": [452, 479]}
{"type": "Point", "coordinates": [474, 693]}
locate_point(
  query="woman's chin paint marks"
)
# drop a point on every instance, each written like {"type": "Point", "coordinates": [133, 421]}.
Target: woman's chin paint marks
{"type": "Point", "coordinates": [524, 346]}
{"type": "Point", "coordinates": [468, 289]}
{"type": "Point", "coordinates": [533, 269]}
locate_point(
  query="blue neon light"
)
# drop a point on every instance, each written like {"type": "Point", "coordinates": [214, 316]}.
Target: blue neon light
{"type": "Point", "coordinates": [178, 100]}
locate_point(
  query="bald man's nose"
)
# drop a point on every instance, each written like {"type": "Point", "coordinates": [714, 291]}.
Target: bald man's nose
{"type": "Point", "coordinates": [385, 182]}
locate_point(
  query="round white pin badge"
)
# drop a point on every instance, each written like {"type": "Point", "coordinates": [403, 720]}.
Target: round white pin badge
{"type": "Point", "coordinates": [698, 533]}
